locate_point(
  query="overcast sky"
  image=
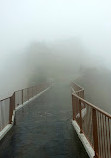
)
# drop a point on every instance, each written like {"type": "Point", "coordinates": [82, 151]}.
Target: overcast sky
{"type": "Point", "coordinates": [25, 21]}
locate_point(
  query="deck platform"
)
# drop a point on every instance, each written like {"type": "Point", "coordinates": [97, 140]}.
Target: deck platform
{"type": "Point", "coordinates": [43, 129]}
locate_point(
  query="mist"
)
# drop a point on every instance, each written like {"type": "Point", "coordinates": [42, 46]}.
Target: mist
{"type": "Point", "coordinates": [62, 41]}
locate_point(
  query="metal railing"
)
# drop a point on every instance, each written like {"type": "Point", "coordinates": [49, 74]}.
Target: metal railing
{"type": "Point", "coordinates": [94, 123]}
{"type": "Point", "coordinates": [8, 105]}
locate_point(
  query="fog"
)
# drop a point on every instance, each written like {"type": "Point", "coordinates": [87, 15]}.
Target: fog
{"type": "Point", "coordinates": [56, 40]}
{"type": "Point", "coordinates": [97, 84]}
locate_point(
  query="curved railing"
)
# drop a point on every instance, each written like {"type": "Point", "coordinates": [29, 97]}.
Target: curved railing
{"type": "Point", "coordinates": [8, 105]}
{"type": "Point", "coordinates": [94, 123]}
{"type": "Point", "coordinates": [78, 90]}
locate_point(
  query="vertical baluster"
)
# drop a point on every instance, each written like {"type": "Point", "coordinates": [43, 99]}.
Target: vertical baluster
{"type": "Point", "coordinates": [107, 139]}
{"type": "Point", "coordinates": [95, 132]}
{"type": "Point", "coordinates": [80, 119]}
{"type": "Point", "coordinates": [22, 97]}
{"type": "Point", "coordinates": [100, 139]}
{"type": "Point", "coordinates": [109, 136]}
{"type": "Point", "coordinates": [12, 107]}
{"type": "Point", "coordinates": [73, 106]}
{"type": "Point", "coordinates": [104, 151]}
{"type": "Point", "coordinates": [83, 94]}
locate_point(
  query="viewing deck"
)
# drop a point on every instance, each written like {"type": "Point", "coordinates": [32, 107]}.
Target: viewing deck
{"type": "Point", "coordinates": [43, 128]}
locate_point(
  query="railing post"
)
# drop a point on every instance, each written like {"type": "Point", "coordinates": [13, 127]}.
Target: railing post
{"type": "Point", "coordinates": [83, 94]}
{"type": "Point", "coordinates": [95, 132]}
{"type": "Point", "coordinates": [28, 94]}
{"type": "Point", "coordinates": [73, 107]}
{"type": "Point", "coordinates": [22, 97]}
{"type": "Point", "coordinates": [80, 121]}
{"type": "Point", "coordinates": [32, 92]}
{"type": "Point", "coordinates": [11, 107]}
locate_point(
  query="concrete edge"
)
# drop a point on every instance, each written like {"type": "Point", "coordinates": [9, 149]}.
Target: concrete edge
{"type": "Point", "coordinates": [84, 141]}
{"type": "Point", "coordinates": [9, 126]}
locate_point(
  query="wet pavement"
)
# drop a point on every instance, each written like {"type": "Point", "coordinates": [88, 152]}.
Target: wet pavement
{"type": "Point", "coordinates": [43, 129]}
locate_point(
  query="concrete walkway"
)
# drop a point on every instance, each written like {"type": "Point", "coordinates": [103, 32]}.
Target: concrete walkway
{"type": "Point", "coordinates": [43, 129]}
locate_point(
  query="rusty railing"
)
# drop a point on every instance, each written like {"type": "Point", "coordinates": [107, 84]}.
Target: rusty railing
{"type": "Point", "coordinates": [8, 105]}
{"type": "Point", "coordinates": [94, 123]}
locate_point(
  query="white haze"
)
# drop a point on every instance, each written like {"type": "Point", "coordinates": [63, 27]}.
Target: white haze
{"type": "Point", "coordinates": [70, 34]}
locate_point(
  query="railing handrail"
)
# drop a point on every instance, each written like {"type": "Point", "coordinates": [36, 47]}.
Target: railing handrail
{"type": "Point", "coordinates": [18, 91]}
{"type": "Point", "coordinates": [93, 106]}
{"type": "Point", "coordinates": [93, 122]}
{"type": "Point", "coordinates": [78, 85]}
{"type": "Point", "coordinates": [5, 98]}
{"type": "Point", "coordinates": [78, 90]}
{"type": "Point", "coordinates": [17, 99]}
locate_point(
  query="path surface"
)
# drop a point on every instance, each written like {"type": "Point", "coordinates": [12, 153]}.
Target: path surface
{"type": "Point", "coordinates": [43, 129]}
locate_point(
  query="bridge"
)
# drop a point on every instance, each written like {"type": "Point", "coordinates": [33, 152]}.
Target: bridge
{"type": "Point", "coordinates": [36, 123]}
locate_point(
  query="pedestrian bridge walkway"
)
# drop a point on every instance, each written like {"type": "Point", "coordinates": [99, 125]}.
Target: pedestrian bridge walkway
{"type": "Point", "coordinates": [43, 128]}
